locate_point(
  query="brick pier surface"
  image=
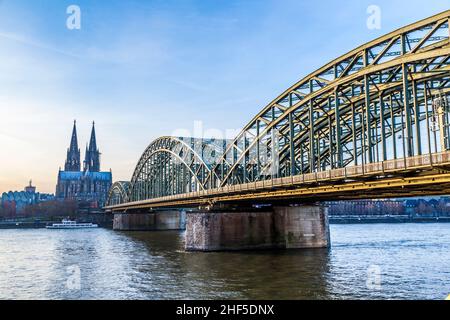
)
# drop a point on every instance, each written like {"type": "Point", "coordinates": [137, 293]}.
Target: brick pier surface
{"type": "Point", "coordinates": [281, 228]}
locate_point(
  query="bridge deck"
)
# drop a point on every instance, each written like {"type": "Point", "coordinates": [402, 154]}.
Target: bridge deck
{"type": "Point", "coordinates": [420, 175]}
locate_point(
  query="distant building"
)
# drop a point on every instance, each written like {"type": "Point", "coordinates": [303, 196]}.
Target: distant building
{"type": "Point", "coordinates": [379, 207]}
{"type": "Point", "coordinates": [90, 184]}
{"type": "Point", "coordinates": [413, 208]}
{"type": "Point", "coordinates": [15, 202]}
{"type": "Point", "coordinates": [30, 188]}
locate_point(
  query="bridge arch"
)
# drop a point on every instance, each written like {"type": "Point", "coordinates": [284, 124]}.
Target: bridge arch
{"type": "Point", "coordinates": [173, 165]}
{"type": "Point", "coordinates": [377, 102]}
{"type": "Point", "coordinates": [118, 193]}
{"type": "Point", "coordinates": [387, 99]}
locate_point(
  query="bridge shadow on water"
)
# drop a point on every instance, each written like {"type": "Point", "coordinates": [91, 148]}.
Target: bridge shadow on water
{"type": "Point", "coordinates": [262, 274]}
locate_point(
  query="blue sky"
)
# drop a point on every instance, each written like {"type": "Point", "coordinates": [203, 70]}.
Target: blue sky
{"type": "Point", "coordinates": [142, 69]}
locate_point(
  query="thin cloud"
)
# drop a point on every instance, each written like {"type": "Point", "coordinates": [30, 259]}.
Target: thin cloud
{"type": "Point", "coordinates": [36, 44]}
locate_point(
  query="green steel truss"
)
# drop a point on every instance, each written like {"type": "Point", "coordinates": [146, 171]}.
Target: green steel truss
{"type": "Point", "coordinates": [118, 193]}
{"type": "Point", "coordinates": [172, 165]}
{"type": "Point", "coordinates": [387, 99]}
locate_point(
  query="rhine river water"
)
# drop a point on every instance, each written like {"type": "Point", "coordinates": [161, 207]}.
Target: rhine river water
{"type": "Point", "coordinates": [404, 261]}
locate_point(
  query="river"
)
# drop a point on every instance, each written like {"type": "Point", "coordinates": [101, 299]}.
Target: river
{"type": "Point", "coordinates": [365, 261]}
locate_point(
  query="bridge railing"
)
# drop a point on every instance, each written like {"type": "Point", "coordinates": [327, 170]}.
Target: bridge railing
{"type": "Point", "coordinates": [378, 168]}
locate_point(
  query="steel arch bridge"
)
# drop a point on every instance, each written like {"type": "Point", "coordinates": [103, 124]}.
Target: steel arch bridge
{"type": "Point", "coordinates": [172, 165]}
{"type": "Point", "coordinates": [376, 112]}
{"type": "Point", "coordinates": [118, 193]}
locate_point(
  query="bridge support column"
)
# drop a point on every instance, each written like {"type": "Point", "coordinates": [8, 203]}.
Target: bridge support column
{"type": "Point", "coordinates": [154, 221]}
{"type": "Point", "coordinates": [280, 228]}
{"type": "Point", "coordinates": [304, 226]}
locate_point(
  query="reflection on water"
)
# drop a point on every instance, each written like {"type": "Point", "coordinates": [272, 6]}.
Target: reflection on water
{"type": "Point", "coordinates": [414, 261]}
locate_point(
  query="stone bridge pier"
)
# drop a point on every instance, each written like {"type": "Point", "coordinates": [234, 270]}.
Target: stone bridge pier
{"type": "Point", "coordinates": [286, 227]}
{"type": "Point", "coordinates": [150, 221]}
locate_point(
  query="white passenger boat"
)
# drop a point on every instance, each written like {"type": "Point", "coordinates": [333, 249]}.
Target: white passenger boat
{"type": "Point", "coordinates": [68, 224]}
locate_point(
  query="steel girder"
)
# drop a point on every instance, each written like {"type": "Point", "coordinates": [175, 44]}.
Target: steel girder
{"type": "Point", "coordinates": [172, 165]}
{"type": "Point", "coordinates": [118, 193]}
{"type": "Point", "coordinates": [374, 103]}
{"type": "Point", "coordinates": [385, 100]}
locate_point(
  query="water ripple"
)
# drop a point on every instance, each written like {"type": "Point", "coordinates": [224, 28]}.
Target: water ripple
{"type": "Point", "coordinates": [413, 260]}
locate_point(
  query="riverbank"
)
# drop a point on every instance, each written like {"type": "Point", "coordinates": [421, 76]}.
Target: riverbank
{"type": "Point", "coordinates": [387, 219]}
{"type": "Point", "coordinates": [22, 225]}
{"type": "Point", "coordinates": [103, 220]}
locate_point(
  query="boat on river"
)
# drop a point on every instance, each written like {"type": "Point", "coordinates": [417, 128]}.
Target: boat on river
{"type": "Point", "coordinates": [69, 224]}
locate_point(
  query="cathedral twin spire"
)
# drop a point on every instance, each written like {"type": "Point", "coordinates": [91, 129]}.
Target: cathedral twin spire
{"type": "Point", "coordinates": [73, 153]}
{"type": "Point", "coordinates": [92, 157]}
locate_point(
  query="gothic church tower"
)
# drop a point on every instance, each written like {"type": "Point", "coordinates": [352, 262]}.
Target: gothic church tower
{"type": "Point", "coordinates": [92, 158]}
{"type": "Point", "coordinates": [73, 153]}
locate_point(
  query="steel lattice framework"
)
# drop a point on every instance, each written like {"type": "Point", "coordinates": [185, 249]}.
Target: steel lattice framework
{"type": "Point", "coordinates": [385, 100]}
{"type": "Point", "coordinates": [172, 165]}
{"type": "Point", "coordinates": [349, 111]}
{"type": "Point", "coordinates": [118, 193]}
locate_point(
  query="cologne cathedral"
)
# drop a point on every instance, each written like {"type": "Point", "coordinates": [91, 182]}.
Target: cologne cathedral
{"type": "Point", "coordinates": [88, 185]}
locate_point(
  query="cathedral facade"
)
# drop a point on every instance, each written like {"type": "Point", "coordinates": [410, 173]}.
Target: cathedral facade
{"type": "Point", "coordinates": [87, 184]}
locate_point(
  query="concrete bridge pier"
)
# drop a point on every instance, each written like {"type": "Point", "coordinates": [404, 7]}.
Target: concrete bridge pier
{"type": "Point", "coordinates": [150, 221]}
{"type": "Point", "coordinates": [288, 227]}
